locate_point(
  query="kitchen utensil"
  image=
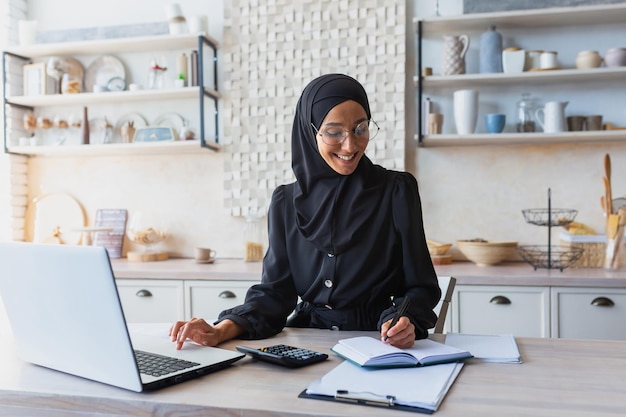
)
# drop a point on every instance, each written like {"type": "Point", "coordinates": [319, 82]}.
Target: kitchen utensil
{"type": "Point", "coordinates": [607, 197]}
{"type": "Point", "coordinates": [615, 234]}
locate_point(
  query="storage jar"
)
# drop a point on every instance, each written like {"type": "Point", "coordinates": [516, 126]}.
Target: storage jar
{"type": "Point", "coordinates": [526, 114]}
{"type": "Point", "coordinates": [615, 57]}
{"type": "Point", "coordinates": [588, 59]}
{"type": "Point", "coordinates": [513, 60]}
{"type": "Point", "coordinates": [253, 238]}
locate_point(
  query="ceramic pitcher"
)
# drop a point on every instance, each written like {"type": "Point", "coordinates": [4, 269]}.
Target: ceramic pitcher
{"type": "Point", "coordinates": [551, 117]}
{"type": "Point", "coordinates": [453, 57]}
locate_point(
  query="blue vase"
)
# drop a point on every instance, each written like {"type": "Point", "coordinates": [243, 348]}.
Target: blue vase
{"type": "Point", "coordinates": [490, 56]}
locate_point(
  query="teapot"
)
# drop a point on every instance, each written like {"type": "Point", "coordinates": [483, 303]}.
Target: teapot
{"type": "Point", "coordinates": [551, 117]}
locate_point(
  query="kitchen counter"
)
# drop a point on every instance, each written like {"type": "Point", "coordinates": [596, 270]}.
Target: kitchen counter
{"type": "Point", "coordinates": [466, 273]}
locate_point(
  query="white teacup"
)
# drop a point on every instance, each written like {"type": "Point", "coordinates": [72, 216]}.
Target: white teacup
{"type": "Point", "coordinates": [204, 255]}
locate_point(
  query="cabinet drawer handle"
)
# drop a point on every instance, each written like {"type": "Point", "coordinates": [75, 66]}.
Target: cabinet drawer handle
{"type": "Point", "coordinates": [227, 294]}
{"type": "Point", "coordinates": [500, 299]}
{"type": "Point", "coordinates": [143, 293]}
{"type": "Point", "coordinates": [602, 302]}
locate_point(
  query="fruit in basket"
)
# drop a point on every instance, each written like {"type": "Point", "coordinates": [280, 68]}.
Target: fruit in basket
{"type": "Point", "coordinates": [576, 228]}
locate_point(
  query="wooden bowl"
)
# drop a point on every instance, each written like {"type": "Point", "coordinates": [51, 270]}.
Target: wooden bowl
{"type": "Point", "coordinates": [437, 249]}
{"type": "Point", "coordinates": [484, 253]}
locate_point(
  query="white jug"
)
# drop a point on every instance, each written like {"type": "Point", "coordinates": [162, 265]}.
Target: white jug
{"type": "Point", "coordinates": [552, 116]}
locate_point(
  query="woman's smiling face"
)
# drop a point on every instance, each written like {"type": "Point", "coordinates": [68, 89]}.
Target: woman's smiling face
{"type": "Point", "coordinates": [345, 156]}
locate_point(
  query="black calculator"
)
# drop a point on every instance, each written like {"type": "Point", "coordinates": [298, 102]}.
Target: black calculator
{"type": "Point", "coordinates": [289, 356]}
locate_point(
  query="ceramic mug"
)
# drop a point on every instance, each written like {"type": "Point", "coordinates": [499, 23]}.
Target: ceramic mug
{"type": "Point", "coordinates": [495, 122]}
{"type": "Point", "coordinates": [205, 255]}
{"type": "Point", "coordinates": [575, 123]}
{"type": "Point", "coordinates": [435, 123]}
{"type": "Point", "coordinates": [593, 122]}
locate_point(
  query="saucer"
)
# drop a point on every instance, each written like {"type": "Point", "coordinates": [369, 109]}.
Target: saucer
{"type": "Point", "coordinates": [206, 261]}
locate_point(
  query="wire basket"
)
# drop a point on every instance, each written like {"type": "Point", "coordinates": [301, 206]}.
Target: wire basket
{"type": "Point", "coordinates": [549, 217]}
{"type": "Point", "coordinates": [550, 257]}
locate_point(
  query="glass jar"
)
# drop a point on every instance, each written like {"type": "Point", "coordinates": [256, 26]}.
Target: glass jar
{"type": "Point", "coordinates": [253, 238]}
{"type": "Point", "coordinates": [526, 114]}
{"type": "Point", "coordinates": [71, 85]}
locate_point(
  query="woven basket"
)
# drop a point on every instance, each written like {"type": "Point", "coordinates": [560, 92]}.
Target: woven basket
{"type": "Point", "coordinates": [593, 251]}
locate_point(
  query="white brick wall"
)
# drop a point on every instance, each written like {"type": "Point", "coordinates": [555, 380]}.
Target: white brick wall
{"type": "Point", "coordinates": [271, 50]}
{"type": "Point", "coordinates": [13, 169]}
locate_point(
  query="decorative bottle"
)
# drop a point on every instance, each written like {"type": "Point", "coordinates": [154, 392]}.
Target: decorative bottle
{"type": "Point", "coordinates": [490, 55]}
{"type": "Point", "coordinates": [85, 126]}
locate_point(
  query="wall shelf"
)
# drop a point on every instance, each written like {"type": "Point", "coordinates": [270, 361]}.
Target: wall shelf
{"type": "Point", "coordinates": [108, 97]}
{"type": "Point", "coordinates": [205, 89]}
{"type": "Point", "coordinates": [111, 46]}
{"type": "Point", "coordinates": [431, 141]}
{"type": "Point", "coordinates": [555, 17]}
{"type": "Point", "coordinates": [523, 78]}
{"type": "Point", "coordinates": [112, 149]}
{"type": "Point", "coordinates": [571, 19]}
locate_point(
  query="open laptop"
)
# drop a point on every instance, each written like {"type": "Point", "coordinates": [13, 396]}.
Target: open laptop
{"type": "Point", "coordinates": [65, 314]}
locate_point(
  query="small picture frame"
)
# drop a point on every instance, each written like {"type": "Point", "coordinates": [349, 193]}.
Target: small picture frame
{"type": "Point", "coordinates": [35, 78]}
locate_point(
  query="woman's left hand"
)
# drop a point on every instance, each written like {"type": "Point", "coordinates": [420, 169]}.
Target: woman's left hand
{"type": "Point", "coordinates": [401, 335]}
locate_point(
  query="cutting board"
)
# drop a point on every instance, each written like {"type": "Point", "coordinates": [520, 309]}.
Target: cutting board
{"type": "Point", "coordinates": [48, 213]}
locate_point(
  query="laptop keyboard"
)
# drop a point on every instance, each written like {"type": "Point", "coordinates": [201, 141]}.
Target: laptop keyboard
{"type": "Point", "coordinates": [159, 365]}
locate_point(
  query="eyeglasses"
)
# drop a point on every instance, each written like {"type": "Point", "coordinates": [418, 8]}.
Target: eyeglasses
{"type": "Point", "coordinates": [335, 135]}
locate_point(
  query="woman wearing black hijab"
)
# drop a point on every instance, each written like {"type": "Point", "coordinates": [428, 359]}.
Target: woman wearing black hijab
{"type": "Point", "coordinates": [347, 237]}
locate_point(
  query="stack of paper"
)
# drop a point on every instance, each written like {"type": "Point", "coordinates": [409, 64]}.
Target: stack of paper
{"type": "Point", "coordinates": [487, 348]}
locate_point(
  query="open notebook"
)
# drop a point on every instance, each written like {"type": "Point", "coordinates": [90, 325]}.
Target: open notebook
{"type": "Point", "coordinates": [370, 352]}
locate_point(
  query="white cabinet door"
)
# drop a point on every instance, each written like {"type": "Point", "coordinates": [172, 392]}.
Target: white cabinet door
{"type": "Point", "coordinates": [521, 311]}
{"type": "Point", "coordinates": [151, 301]}
{"type": "Point", "coordinates": [207, 299]}
{"type": "Point", "coordinates": [589, 313]}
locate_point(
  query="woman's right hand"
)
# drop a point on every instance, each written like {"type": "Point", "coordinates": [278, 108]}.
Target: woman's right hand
{"type": "Point", "coordinates": [202, 333]}
{"type": "Point", "coordinates": [197, 330]}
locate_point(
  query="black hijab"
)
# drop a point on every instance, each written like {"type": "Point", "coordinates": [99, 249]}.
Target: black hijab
{"type": "Point", "coordinates": [331, 209]}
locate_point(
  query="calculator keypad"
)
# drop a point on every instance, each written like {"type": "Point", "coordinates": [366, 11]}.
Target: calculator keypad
{"type": "Point", "coordinates": [285, 355]}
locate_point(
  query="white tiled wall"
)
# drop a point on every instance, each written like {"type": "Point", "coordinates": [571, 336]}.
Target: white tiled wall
{"type": "Point", "coordinates": [272, 50]}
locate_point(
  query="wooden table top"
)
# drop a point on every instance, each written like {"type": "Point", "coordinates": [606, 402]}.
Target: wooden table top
{"type": "Point", "coordinates": [558, 378]}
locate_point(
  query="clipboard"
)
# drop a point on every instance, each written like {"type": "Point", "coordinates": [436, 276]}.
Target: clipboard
{"type": "Point", "coordinates": [354, 398]}
{"type": "Point", "coordinates": [386, 388]}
